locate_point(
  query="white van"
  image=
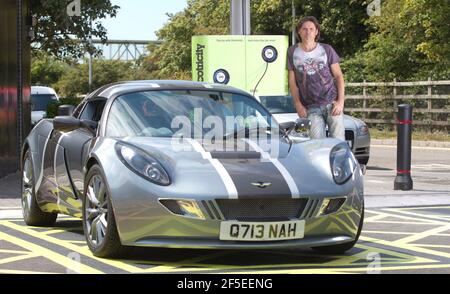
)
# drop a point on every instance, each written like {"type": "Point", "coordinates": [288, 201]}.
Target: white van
{"type": "Point", "coordinates": [40, 98]}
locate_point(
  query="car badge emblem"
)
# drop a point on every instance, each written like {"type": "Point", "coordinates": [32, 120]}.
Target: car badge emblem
{"type": "Point", "coordinates": [261, 185]}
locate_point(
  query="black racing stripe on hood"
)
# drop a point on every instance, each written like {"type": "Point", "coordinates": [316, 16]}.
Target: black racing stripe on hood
{"type": "Point", "coordinates": [244, 172]}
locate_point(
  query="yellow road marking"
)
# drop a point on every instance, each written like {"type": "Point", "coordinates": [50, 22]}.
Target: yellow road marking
{"type": "Point", "coordinates": [409, 218]}
{"type": "Point", "coordinates": [17, 258]}
{"type": "Point", "coordinates": [440, 220]}
{"type": "Point", "coordinates": [423, 207]}
{"type": "Point", "coordinates": [53, 256]}
{"type": "Point", "coordinates": [422, 235]}
{"type": "Point", "coordinates": [348, 270]}
{"type": "Point", "coordinates": [432, 245]}
{"type": "Point", "coordinates": [14, 251]}
{"type": "Point", "coordinates": [386, 233]}
{"type": "Point", "coordinates": [410, 247]}
{"type": "Point", "coordinates": [81, 250]}
{"type": "Point", "coordinates": [374, 218]}
{"type": "Point", "coordinates": [21, 272]}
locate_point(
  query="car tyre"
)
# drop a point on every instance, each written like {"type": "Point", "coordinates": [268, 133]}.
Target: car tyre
{"type": "Point", "coordinates": [32, 213]}
{"type": "Point", "coordinates": [99, 222]}
{"type": "Point", "coordinates": [342, 248]}
{"type": "Point", "coordinates": [364, 161]}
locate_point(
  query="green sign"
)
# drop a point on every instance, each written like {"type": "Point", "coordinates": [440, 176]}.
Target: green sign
{"type": "Point", "coordinates": [242, 62]}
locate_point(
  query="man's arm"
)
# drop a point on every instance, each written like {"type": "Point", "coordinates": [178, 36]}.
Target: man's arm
{"type": "Point", "coordinates": [340, 84]}
{"type": "Point", "coordinates": [301, 110]}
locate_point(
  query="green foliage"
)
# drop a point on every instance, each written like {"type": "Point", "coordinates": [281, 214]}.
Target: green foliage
{"type": "Point", "coordinates": [46, 70]}
{"type": "Point", "coordinates": [56, 31]}
{"type": "Point", "coordinates": [76, 80]}
{"type": "Point", "coordinates": [52, 108]}
{"type": "Point", "coordinates": [172, 59]}
{"type": "Point", "coordinates": [409, 42]}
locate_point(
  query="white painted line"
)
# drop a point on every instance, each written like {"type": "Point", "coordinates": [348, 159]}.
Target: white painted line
{"type": "Point", "coordinates": [284, 172]}
{"type": "Point", "coordinates": [224, 175]}
{"type": "Point", "coordinates": [413, 147]}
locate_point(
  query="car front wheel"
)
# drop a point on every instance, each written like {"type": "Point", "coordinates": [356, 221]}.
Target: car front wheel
{"type": "Point", "coordinates": [99, 223]}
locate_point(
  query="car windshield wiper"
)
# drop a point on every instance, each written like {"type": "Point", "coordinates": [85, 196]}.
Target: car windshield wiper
{"type": "Point", "coordinates": [247, 131]}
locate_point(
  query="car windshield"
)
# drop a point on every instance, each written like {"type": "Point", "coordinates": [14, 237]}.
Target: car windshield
{"type": "Point", "coordinates": [278, 104]}
{"type": "Point", "coordinates": [41, 101]}
{"type": "Point", "coordinates": [186, 112]}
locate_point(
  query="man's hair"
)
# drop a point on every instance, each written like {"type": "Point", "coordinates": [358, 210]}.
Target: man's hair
{"type": "Point", "coordinates": [306, 19]}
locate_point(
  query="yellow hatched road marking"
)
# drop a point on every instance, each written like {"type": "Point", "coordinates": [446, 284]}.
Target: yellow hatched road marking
{"type": "Point", "coordinates": [14, 251]}
{"type": "Point", "coordinates": [423, 207]}
{"type": "Point", "coordinates": [422, 235]}
{"type": "Point", "coordinates": [21, 272]}
{"type": "Point", "coordinates": [432, 245]}
{"type": "Point", "coordinates": [387, 233]}
{"type": "Point", "coordinates": [409, 247]}
{"type": "Point", "coordinates": [17, 258]}
{"type": "Point", "coordinates": [53, 256]}
{"type": "Point", "coordinates": [350, 270]}
{"type": "Point", "coordinates": [438, 219]}
{"type": "Point", "coordinates": [81, 250]}
{"type": "Point", "coordinates": [409, 218]}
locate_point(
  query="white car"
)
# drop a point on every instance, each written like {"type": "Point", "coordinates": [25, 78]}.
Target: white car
{"type": "Point", "coordinates": [40, 98]}
{"type": "Point", "coordinates": [356, 131]}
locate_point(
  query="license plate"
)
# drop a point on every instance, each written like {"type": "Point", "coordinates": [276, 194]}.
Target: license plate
{"type": "Point", "coordinates": [264, 231]}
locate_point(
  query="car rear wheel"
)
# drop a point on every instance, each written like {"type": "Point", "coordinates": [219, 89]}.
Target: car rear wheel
{"type": "Point", "coordinates": [342, 248]}
{"type": "Point", "coordinates": [32, 213]}
{"type": "Point", "coordinates": [99, 222]}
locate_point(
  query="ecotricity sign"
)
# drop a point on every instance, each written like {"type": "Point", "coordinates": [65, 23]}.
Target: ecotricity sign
{"type": "Point", "coordinates": [251, 63]}
{"type": "Point", "coordinates": [199, 62]}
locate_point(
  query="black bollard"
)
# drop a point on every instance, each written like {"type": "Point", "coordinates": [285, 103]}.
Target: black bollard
{"type": "Point", "coordinates": [403, 180]}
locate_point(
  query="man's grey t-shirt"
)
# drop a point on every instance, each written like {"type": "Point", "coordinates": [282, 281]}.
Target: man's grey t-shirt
{"type": "Point", "coordinates": [313, 73]}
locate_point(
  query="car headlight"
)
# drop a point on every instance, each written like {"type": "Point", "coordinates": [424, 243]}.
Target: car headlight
{"type": "Point", "coordinates": [142, 164]}
{"type": "Point", "coordinates": [362, 130]}
{"type": "Point", "coordinates": [342, 163]}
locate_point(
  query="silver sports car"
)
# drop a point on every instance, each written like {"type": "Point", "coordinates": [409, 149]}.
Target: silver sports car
{"type": "Point", "coordinates": [188, 165]}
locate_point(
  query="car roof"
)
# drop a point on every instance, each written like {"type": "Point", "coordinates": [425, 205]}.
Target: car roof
{"type": "Point", "coordinates": [115, 89]}
{"type": "Point", "coordinates": [36, 90]}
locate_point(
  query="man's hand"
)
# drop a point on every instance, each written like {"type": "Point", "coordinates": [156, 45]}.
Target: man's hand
{"type": "Point", "coordinates": [338, 108]}
{"type": "Point", "coordinates": [302, 112]}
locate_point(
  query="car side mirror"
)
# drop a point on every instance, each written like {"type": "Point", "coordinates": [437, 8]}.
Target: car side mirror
{"type": "Point", "coordinates": [302, 124]}
{"type": "Point", "coordinates": [70, 123]}
{"type": "Point", "coordinates": [65, 110]}
{"type": "Point", "coordinates": [66, 123]}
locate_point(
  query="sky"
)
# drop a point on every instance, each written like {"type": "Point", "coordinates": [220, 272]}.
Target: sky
{"type": "Point", "coordinates": [139, 19]}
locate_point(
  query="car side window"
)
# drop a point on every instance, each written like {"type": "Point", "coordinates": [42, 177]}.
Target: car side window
{"type": "Point", "coordinates": [93, 110]}
{"type": "Point", "coordinates": [77, 111]}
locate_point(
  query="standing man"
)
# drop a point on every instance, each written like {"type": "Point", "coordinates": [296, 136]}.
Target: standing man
{"type": "Point", "coordinates": [316, 81]}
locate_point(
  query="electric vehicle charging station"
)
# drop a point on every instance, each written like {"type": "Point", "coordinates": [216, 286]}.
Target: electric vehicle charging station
{"type": "Point", "coordinates": [256, 64]}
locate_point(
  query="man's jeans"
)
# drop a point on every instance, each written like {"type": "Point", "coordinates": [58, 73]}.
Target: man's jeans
{"type": "Point", "coordinates": [320, 117]}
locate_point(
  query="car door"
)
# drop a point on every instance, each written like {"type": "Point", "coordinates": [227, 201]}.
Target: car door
{"type": "Point", "coordinates": [71, 151]}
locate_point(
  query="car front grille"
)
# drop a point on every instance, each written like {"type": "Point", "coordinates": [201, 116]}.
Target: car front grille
{"type": "Point", "coordinates": [260, 209]}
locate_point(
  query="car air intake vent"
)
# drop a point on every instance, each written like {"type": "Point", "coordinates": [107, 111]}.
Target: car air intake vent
{"type": "Point", "coordinates": [265, 210]}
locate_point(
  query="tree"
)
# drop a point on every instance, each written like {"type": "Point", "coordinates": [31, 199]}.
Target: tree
{"type": "Point", "coordinates": [409, 42]}
{"type": "Point", "coordinates": [64, 36]}
{"type": "Point", "coordinates": [75, 81]}
{"type": "Point", "coordinates": [172, 59]}
{"type": "Point", "coordinates": [46, 70]}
